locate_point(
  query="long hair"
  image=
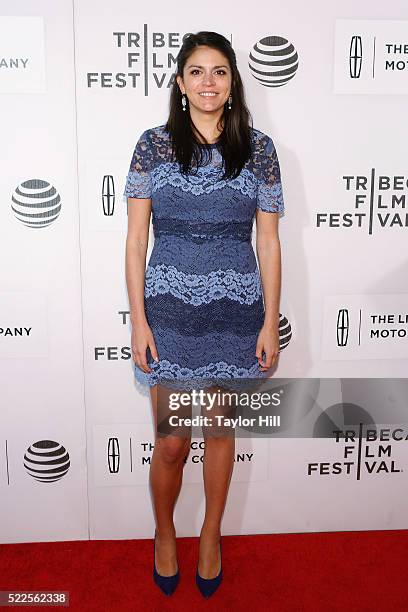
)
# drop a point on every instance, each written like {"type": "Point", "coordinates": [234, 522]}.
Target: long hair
{"type": "Point", "coordinates": [235, 140]}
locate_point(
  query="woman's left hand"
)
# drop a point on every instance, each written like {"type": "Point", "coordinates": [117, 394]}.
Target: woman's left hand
{"type": "Point", "coordinates": [268, 342]}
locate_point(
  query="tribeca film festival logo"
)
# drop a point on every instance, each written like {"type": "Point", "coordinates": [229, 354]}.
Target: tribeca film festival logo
{"type": "Point", "coordinates": [151, 57]}
{"type": "Point", "coordinates": [377, 202]}
{"type": "Point", "coordinates": [365, 449]}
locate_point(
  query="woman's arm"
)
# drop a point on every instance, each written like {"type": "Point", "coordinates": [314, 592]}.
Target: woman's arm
{"type": "Point", "coordinates": [269, 257]}
{"type": "Point", "coordinates": [139, 210]}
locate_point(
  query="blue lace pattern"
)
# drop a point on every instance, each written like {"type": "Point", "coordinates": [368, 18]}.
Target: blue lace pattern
{"type": "Point", "coordinates": [139, 178]}
{"type": "Point", "coordinates": [138, 185]}
{"type": "Point", "coordinates": [200, 289]}
{"type": "Point", "coordinates": [206, 181]}
{"type": "Point", "coordinates": [203, 291]}
{"type": "Point", "coordinates": [201, 232]}
{"type": "Point", "coordinates": [145, 175]}
{"type": "Point", "coordinates": [270, 196]}
{"type": "Point", "coordinates": [220, 373]}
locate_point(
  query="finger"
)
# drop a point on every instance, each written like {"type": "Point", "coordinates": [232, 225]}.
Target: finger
{"type": "Point", "coordinates": [269, 361]}
{"type": "Point", "coordinates": [263, 361]}
{"type": "Point", "coordinates": [140, 359]}
{"type": "Point", "coordinates": [144, 365]}
{"type": "Point", "coordinates": [259, 350]}
{"type": "Point", "coordinates": [153, 350]}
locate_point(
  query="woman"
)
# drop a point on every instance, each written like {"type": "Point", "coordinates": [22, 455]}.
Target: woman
{"type": "Point", "coordinates": [202, 312]}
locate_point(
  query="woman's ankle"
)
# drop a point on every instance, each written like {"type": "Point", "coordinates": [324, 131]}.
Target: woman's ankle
{"type": "Point", "coordinates": [165, 533]}
{"type": "Point", "coordinates": [210, 532]}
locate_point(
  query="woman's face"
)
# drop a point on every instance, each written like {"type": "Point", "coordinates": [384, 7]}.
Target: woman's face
{"type": "Point", "coordinates": [206, 70]}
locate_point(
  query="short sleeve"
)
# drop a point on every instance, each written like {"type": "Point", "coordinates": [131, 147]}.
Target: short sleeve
{"type": "Point", "coordinates": [138, 180]}
{"type": "Point", "coordinates": [270, 195]}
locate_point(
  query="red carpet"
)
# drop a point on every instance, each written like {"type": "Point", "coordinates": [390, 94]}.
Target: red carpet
{"type": "Point", "coordinates": [352, 571]}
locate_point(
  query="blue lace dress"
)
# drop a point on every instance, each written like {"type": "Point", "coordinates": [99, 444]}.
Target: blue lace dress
{"type": "Point", "coordinates": [203, 293]}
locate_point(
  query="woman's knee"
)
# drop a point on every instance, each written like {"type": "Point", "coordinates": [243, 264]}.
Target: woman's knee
{"type": "Point", "coordinates": [173, 448]}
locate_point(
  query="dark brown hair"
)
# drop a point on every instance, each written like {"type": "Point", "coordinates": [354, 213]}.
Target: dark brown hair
{"type": "Point", "coordinates": [235, 140]}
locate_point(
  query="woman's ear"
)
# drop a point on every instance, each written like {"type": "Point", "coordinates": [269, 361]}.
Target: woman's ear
{"type": "Point", "coordinates": [180, 83]}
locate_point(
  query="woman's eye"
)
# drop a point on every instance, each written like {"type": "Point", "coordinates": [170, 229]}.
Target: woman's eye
{"type": "Point", "coordinates": [197, 70]}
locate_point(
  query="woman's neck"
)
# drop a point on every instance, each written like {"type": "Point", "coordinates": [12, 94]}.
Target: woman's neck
{"type": "Point", "coordinates": [210, 130]}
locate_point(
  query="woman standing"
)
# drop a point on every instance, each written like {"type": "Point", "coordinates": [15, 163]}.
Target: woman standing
{"type": "Point", "coordinates": [202, 312]}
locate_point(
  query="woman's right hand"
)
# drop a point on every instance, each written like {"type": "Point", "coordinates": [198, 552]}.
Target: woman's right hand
{"type": "Point", "coordinates": [142, 337]}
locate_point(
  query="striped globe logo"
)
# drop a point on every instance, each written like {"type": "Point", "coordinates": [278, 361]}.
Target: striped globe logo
{"type": "Point", "coordinates": [285, 332]}
{"type": "Point", "coordinates": [36, 203]}
{"type": "Point", "coordinates": [46, 461]}
{"type": "Point", "coordinates": [273, 61]}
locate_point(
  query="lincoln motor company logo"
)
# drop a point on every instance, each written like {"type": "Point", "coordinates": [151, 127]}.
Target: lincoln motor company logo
{"type": "Point", "coordinates": [343, 325]}
{"type": "Point", "coordinates": [108, 195]}
{"type": "Point", "coordinates": [377, 326]}
{"type": "Point", "coordinates": [393, 56]}
{"type": "Point", "coordinates": [113, 455]}
{"type": "Point", "coordinates": [356, 56]}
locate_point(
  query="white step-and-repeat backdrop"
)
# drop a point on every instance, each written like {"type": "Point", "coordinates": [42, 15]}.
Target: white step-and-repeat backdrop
{"type": "Point", "coordinates": [79, 82]}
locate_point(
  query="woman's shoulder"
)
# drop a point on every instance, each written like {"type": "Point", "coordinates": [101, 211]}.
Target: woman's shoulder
{"type": "Point", "coordinates": [157, 140]}
{"type": "Point", "coordinates": [263, 146]}
{"type": "Point", "coordinates": [153, 143]}
{"type": "Point", "coordinates": [155, 134]}
{"type": "Point", "coordinates": [261, 138]}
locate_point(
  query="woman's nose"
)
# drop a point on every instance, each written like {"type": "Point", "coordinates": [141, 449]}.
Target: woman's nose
{"type": "Point", "coordinates": [209, 79]}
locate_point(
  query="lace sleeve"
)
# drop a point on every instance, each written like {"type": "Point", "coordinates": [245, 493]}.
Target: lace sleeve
{"type": "Point", "coordinates": [138, 180]}
{"type": "Point", "coordinates": [270, 196]}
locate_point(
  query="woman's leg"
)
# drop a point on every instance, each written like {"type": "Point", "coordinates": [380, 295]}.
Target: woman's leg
{"type": "Point", "coordinates": [165, 476]}
{"type": "Point", "coordinates": [217, 471]}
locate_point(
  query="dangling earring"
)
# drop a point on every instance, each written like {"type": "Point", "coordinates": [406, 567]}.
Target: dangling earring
{"type": "Point", "coordinates": [184, 101]}
{"type": "Point", "coordinates": [229, 102]}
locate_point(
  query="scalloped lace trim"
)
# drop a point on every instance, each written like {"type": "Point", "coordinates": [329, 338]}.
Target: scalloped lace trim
{"type": "Point", "coordinates": [213, 371]}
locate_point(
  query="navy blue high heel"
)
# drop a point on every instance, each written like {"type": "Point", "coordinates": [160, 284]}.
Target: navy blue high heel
{"type": "Point", "coordinates": [166, 583]}
{"type": "Point", "coordinates": [208, 586]}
